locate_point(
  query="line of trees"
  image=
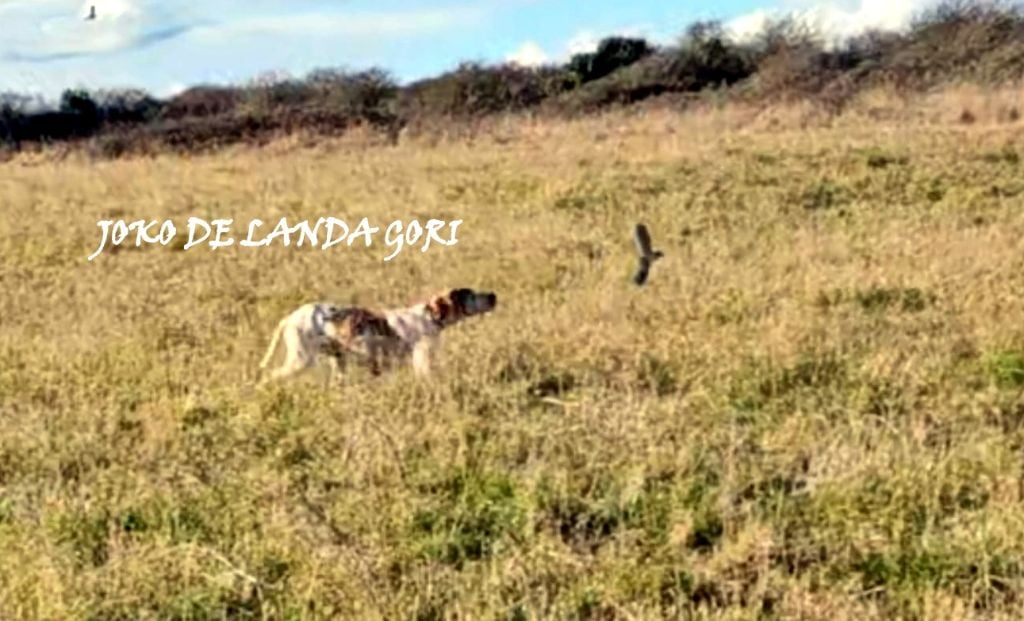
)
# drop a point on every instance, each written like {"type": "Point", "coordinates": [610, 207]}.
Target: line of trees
{"type": "Point", "coordinates": [960, 39]}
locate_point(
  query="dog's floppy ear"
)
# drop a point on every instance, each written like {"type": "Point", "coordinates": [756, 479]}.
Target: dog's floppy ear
{"type": "Point", "coordinates": [440, 308]}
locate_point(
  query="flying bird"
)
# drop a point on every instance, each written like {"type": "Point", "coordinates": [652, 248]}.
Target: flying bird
{"type": "Point", "coordinates": [646, 255]}
{"type": "Point", "coordinates": [92, 13]}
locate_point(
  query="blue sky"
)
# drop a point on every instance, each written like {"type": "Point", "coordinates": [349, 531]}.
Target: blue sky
{"type": "Point", "coordinates": [166, 45]}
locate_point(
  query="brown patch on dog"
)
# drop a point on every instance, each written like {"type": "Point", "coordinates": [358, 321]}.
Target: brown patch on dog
{"type": "Point", "coordinates": [440, 309]}
{"type": "Point", "coordinates": [358, 323]}
{"type": "Point", "coordinates": [451, 306]}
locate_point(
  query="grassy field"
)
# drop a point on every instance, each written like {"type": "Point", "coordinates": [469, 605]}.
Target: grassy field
{"type": "Point", "coordinates": [814, 410]}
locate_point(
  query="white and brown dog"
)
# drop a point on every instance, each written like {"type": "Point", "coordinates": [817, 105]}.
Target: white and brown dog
{"type": "Point", "coordinates": [338, 332]}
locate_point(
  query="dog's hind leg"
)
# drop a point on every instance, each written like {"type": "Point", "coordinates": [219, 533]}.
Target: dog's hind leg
{"type": "Point", "coordinates": [291, 367]}
{"type": "Point", "coordinates": [273, 343]}
{"type": "Point", "coordinates": [297, 356]}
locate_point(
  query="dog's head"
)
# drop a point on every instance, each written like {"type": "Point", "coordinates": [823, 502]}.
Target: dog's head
{"type": "Point", "coordinates": [457, 304]}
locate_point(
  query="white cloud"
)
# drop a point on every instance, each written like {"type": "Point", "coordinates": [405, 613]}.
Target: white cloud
{"type": "Point", "coordinates": [172, 89]}
{"type": "Point", "coordinates": [530, 54]}
{"type": "Point", "coordinates": [586, 41]}
{"type": "Point", "coordinates": [110, 10]}
{"type": "Point", "coordinates": [834, 20]}
{"type": "Point", "coordinates": [46, 30]}
{"type": "Point", "coordinates": [746, 27]}
{"type": "Point", "coordinates": [364, 24]}
{"type": "Point", "coordinates": [583, 42]}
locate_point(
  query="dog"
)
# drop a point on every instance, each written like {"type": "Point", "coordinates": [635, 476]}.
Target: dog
{"type": "Point", "coordinates": [339, 332]}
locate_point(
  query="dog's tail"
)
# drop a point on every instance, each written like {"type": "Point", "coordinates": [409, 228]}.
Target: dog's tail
{"type": "Point", "coordinates": [273, 345]}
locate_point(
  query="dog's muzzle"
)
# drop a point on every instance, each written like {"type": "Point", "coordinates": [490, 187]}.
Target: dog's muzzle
{"type": "Point", "coordinates": [486, 302]}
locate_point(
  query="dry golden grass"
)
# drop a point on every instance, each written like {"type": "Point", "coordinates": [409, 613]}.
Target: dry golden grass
{"type": "Point", "coordinates": [813, 411]}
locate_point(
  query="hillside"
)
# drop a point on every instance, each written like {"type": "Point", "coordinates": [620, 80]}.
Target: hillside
{"type": "Point", "coordinates": [956, 42]}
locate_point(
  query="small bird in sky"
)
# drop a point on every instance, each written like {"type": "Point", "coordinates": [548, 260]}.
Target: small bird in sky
{"type": "Point", "coordinates": [646, 255]}
{"type": "Point", "coordinates": [92, 13]}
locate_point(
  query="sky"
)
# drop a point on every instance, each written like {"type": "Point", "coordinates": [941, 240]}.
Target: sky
{"type": "Point", "coordinates": [165, 46]}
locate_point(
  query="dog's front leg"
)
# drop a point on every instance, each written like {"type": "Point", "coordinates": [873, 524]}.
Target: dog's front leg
{"type": "Point", "coordinates": [374, 358]}
{"type": "Point", "coordinates": [375, 366]}
{"type": "Point", "coordinates": [338, 366]}
{"type": "Point", "coordinates": [331, 371]}
{"type": "Point", "coordinates": [423, 354]}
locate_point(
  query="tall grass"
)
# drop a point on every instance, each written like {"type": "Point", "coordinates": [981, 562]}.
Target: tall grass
{"type": "Point", "coordinates": [813, 410]}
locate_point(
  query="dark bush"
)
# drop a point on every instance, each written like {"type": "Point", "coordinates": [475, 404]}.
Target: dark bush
{"type": "Point", "coordinates": [793, 63]}
{"type": "Point", "coordinates": [612, 53]}
{"type": "Point", "coordinates": [202, 101]}
{"type": "Point", "coordinates": [128, 107]}
{"type": "Point", "coordinates": [958, 39]}
{"type": "Point", "coordinates": [781, 34]}
{"type": "Point", "coordinates": [268, 96]}
{"type": "Point", "coordinates": [474, 89]}
{"type": "Point", "coordinates": [80, 103]}
{"type": "Point", "coordinates": [10, 117]}
{"type": "Point", "coordinates": [48, 126]}
{"type": "Point", "coordinates": [370, 96]}
{"type": "Point", "coordinates": [707, 59]}
{"type": "Point", "coordinates": [650, 77]}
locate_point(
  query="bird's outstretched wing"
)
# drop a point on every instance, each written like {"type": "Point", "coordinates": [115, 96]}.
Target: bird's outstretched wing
{"type": "Point", "coordinates": [642, 270]}
{"type": "Point", "coordinates": [643, 240]}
